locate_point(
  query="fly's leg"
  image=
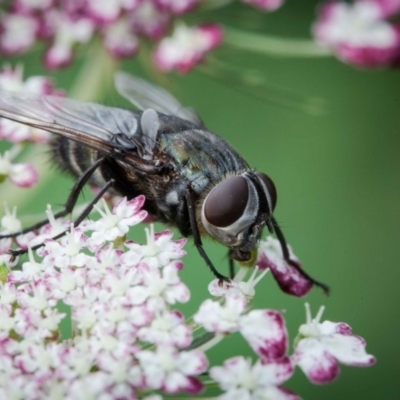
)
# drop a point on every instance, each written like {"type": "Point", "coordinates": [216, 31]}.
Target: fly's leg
{"type": "Point", "coordinates": [197, 238]}
{"type": "Point", "coordinates": [231, 266]}
{"type": "Point", "coordinates": [69, 205]}
{"type": "Point", "coordinates": [81, 217]}
{"type": "Point", "coordinates": [286, 256]}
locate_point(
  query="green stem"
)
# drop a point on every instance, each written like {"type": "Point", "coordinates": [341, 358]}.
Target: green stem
{"type": "Point", "coordinates": [207, 5]}
{"type": "Point", "coordinates": [95, 76]}
{"type": "Point", "coordinates": [272, 45]}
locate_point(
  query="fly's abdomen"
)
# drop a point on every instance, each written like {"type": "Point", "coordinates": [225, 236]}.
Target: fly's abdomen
{"type": "Point", "coordinates": [76, 158]}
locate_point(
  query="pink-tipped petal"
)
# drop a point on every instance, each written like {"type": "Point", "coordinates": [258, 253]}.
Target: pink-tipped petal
{"type": "Point", "coordinates": [329, 328]}
{"type": "Point", "coordinates": [265, 331]}
{"type": "Point", "coordinates": [318, 365]}
{"type": "Point", "coordinates": [289, 279]}
{"type": "Point", "coordinates": [277, 371]}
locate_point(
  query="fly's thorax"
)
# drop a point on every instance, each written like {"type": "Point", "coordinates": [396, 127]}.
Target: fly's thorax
{"type": "Point", "coordinates": [235, 210]}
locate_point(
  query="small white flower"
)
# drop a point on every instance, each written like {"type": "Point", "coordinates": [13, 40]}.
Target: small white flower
{"type": "Point", "coordinates": [186, 47]}
{"type": "Point", "coordinates": [159, 249]}
{"type": "Point", "coordinates": [48, 231]}
{"type": "Point", "coordinates": [224, 318]}
{"type": "Point", "coordinates": [167, 328]}
{"type": "Point", "coordinates": [246, 288]}
{"type": "Point", "coordinates": [320, 346]}
{"type": "Point", "coordinates": [171, 370]}
{"type": "Point", "coordinates": [9, 222]}
{"type": "Point", "coordinates": [159, 287]}
{"type": "Point", "coordinates": [240, 380]}
{"type": "Point", "coordinates": [30, 270]}
{"type": "Point", "coordinates": [114, 225]}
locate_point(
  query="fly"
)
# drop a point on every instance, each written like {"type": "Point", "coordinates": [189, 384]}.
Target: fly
{"type": "Point", "coordinates": [190, 177]}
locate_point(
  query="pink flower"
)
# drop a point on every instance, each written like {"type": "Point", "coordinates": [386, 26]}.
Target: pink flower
{"type": "Point", "coordinates": [289, 279]}
{"type": "Point", "coordinates": [321, 346]}
{"type": "Point", "coordinates": [28, 6]}
{"type": "Point", "coordinates": [105, 11]}
{"type": "Point", "coordinates": [66, 30]}
{"type": "Point", "coordinates": [265, 5]}
{"type": "Point", "coordinates": [121, 23]}
{"type": "Point", "coordinates": [119, 39]}
{"type": "Point", "coordinates": [240, 380]}
{"type": "Point", "coordinates": [149, 20]}
{"type": "Point", "coordinates": [18, 32]}
{"type": "Point", "coordinates": [358, 32]}
{"type": "Point", "coordinates": [22, 175]}
{"type": "Point", "coordinates": [264, 330]}
{"type": "Point", "coordinates": [186, 47]}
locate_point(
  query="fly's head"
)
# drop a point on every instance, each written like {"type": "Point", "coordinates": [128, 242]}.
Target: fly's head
{"type": "Point", "coordinates": [236, 210]}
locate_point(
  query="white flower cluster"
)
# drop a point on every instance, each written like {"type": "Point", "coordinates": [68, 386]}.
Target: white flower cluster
{"type": "Point", "coordinates": [124, 335]}
{"type": "Point", "coordinates": [95, 318]}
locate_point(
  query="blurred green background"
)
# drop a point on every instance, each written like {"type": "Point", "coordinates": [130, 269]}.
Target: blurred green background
{"type": "Point", "coordinates": [337, 174]}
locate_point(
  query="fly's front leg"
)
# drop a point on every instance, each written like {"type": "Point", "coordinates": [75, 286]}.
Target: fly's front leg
{"type": "Point", "coordinates": [197, 238]}
{"type": "Point", "coordinates": [81, 217]}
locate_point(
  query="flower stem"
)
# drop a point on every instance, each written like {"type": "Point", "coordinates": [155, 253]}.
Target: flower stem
{"type": "Point", "coordinates": [272, 45]}
{"type": "Point", "coordinates": [211, 343]}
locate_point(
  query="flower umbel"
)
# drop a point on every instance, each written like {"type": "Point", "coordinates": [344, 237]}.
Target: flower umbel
{"type": "Point", "coordinates": [110, 329]}
{"type": "Point", "coordinates": [124, 337]}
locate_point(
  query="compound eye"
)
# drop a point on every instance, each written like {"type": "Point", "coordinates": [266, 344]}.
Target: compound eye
{"type": "Point", "coordinates": [226, 202]}
{"type": "Point", "coordinates": [271, 190]}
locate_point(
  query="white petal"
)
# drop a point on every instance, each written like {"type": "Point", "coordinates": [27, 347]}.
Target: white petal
{"type": "Point", "coordinates": [348, 350]}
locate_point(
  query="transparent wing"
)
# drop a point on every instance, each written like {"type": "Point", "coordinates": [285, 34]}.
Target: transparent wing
{"type": "Point", "coordinates": [145, 95]}
{"type": "Point", "coordinates": [92, 124]}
